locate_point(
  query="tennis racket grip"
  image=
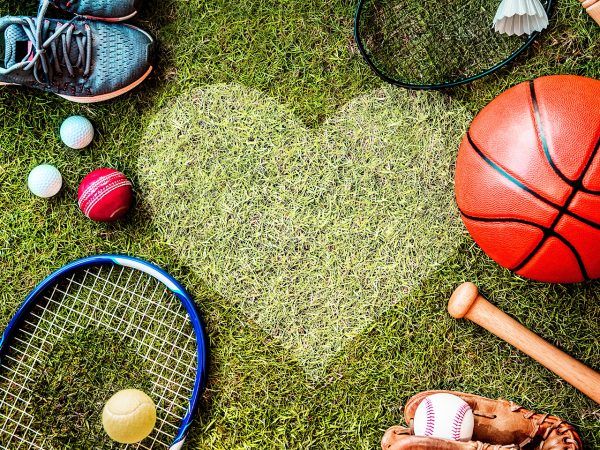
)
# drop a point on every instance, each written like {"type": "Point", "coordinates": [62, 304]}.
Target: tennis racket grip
{"type": "Point", "coordinates": [468, 303]}
{"type": "Point", "coordinates": [593, 9]}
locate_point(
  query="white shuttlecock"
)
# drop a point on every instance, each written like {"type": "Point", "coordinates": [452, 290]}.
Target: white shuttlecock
{"type": "Point", "coordinates": [517, 17]}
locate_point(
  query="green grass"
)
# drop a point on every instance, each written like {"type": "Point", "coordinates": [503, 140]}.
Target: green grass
{"type": "Point", "coordinates": [311, 234]}
{"type": "Point", "coordinates": [260, 395]}
{"type": "Point", "coordinates": [71, 387]}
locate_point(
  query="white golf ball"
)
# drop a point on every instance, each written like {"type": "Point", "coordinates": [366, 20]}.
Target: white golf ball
{"type": "Point", "coordinates": [77, 132]}
{"type": "Point", "coordinates": [44, 181]}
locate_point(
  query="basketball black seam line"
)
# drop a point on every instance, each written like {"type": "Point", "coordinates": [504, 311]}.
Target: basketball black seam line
{"type": "Point", "coordinates": [545, 148]}
{"type": "Point", "coordinates": [503, 219]}
{"type": "Point", "coordinates": [535, 194]}
{"type": "Point", "coordinates": [560, 210]}
{"type": "Point", "coordinates": [508, 176]}
{"type": "Point", "coordinates": [513, 180]}
{"type": "Point", "coordinates": [552, 233]}
{"type": "Point", "coordinates": [547, 233]}
{"type": "Point", "coordinates": [590, 161]}
{"type": "Point", "coordinates": [577, 185]}
{"type": "Point", "coordinates": [542, 135]}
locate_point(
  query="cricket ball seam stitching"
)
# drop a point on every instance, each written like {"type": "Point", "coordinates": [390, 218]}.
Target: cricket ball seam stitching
{"type": "Point", "coordinates": [101, 179]}
{"type": "Point", "coordinates": [103, 193]}
{"type": "Point", "coordinates": [91, 188]}
{"type": "Point", "coordinates": [95, 192]}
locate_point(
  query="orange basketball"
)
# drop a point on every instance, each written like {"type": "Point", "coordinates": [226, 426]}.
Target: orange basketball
{"type": "Point", "coordinates": [528, 179]}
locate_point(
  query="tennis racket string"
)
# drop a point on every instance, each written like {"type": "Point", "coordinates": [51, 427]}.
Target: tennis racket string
{"type": "Point", "coordinates": [126, 301]}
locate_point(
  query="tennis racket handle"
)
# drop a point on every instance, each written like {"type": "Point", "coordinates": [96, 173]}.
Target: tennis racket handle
{"type": "Point", "coordinates": [593, 9]}
{"type": "Point", "coordinates": [468, 303]}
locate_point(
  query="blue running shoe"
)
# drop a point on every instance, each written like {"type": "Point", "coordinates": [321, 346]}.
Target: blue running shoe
{"type": "Point", "coordinates": [84, 61]}
{"type": "Point", "coordinates": [109, 10]}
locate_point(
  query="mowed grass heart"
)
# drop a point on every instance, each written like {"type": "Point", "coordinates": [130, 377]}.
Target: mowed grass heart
{"type": "Point", "coordinates": [312, 234]}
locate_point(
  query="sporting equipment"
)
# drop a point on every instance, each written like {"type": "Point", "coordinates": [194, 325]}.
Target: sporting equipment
{"type": "Point", "coordinates": [109, 10]}
{"type": "Point", "coordinates": [517, 17]}
{"type": "Point", "coordinates": [444, 415]}
{"type": "Point", "coordinates": [434, 44]}
{"type": "Point", "coordinates": [129, 416]}
{"type": "Point", "coordinates": [77, 132]}
{"type": "Point", "coordinates": [528, 179]}
{"type": "Point", "coordinates": [132, 299]}
{"type": "Point", "coordinates": [105, 195]}
{"type": "Point", "coordinates": [498, 424]}
{"type": "Point", "coordinates": [84, 61]}
{"type": "Point", "coordinates": [466, 302]}
{"type": "Point", "coordinates": [593, 9]}
{"type": "Point", "coordinates": [44, 181]}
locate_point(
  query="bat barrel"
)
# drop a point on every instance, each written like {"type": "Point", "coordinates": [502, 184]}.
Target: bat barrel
{"type": "Point", "coordinates": [468, 303]}
{"type": "Point", "coordinates": [588, 3]}
{"type": "Point", "coordinates": [593, 9]}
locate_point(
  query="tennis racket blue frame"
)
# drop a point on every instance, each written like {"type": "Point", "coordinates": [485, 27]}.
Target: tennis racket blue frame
{"type": "Point", "coordinates": [160, 275]}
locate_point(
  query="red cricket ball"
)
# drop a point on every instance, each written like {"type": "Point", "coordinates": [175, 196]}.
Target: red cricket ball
{"type": "Point", "coordinates": [105, 195]}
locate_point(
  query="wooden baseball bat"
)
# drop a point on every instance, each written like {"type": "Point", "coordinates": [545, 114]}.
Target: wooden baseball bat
{"type": "Point", "coordinates": [593, 9]}
{"type": "Point", "coordinates": [467, 302]}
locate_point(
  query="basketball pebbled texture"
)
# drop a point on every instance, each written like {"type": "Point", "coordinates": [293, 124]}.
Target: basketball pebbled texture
{"type": "Point", "coordinates": [528, 179]}
{"type": "Point", "coordinates": [105, 195]}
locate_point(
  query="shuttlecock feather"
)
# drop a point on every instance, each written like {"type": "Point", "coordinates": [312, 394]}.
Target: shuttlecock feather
{"type": "Point", "coordinates": [517, 17]}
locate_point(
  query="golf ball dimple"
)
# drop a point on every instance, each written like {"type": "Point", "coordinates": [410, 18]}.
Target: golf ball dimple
{"type": "Point", "coordinates": [77, 132]}
{"type": "Point", "coordinates": [44, 181]}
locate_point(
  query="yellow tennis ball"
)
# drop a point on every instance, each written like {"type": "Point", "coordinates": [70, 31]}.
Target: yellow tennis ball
{"type": "Point", "coordinates": [129, 416]}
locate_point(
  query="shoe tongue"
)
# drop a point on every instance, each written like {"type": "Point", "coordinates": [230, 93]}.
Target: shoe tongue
{"type": "Point", "coordinates": [17, 46]}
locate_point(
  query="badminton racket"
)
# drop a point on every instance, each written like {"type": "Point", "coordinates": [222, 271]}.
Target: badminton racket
{"type": "Point", "coordinates": [129, 298]}
{"type": "Point", "coordinates": [433, 44]}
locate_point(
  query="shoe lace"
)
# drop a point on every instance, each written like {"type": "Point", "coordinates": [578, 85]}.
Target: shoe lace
{"type": "Point", "coordinates": [52, 47]}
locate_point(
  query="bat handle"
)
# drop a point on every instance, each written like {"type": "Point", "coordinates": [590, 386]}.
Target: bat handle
{"type": "Point", "coordinates": [593, 9]}
{"type": "Point", "coordinates": [468, 303]}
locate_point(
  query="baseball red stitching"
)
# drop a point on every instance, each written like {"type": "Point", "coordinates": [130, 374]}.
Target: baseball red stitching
{"type": "Point", "coordinates": [430, 413]}
{"type": "Point", "coordinates": [458, 421]}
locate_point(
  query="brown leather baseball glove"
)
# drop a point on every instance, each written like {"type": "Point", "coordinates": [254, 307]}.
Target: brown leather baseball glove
{"type": "Point", "coordinates": [499, 424]}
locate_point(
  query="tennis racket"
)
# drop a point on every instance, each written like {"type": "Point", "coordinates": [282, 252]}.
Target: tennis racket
{"type": "Point", "coordinates": [433, 44]}
{"type": "Point", "coordinates": [133, 299]}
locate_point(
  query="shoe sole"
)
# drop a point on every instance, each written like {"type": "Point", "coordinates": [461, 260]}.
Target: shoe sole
{"type": "Point", "coordinates": [98, 98]}
{"type": "Point", "coordinates": [110, 95]}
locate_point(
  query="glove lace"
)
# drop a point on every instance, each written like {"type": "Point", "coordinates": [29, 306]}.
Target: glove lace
{"type": "Point", "coordinates": [551, 426]}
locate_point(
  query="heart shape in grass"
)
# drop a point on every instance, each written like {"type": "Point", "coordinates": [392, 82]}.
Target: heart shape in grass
{"type": "Point", "coordinates": [311, 233]}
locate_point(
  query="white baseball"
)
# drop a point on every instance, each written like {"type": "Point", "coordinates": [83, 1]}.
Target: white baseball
{"type": "Point", "coordinates": [445, 416]}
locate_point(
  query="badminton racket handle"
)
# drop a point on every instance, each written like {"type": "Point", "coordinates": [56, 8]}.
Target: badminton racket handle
{"type": "Point", "coordinates": [468, 303]}
{"type": "Point", "coordinates": [593, 9]}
